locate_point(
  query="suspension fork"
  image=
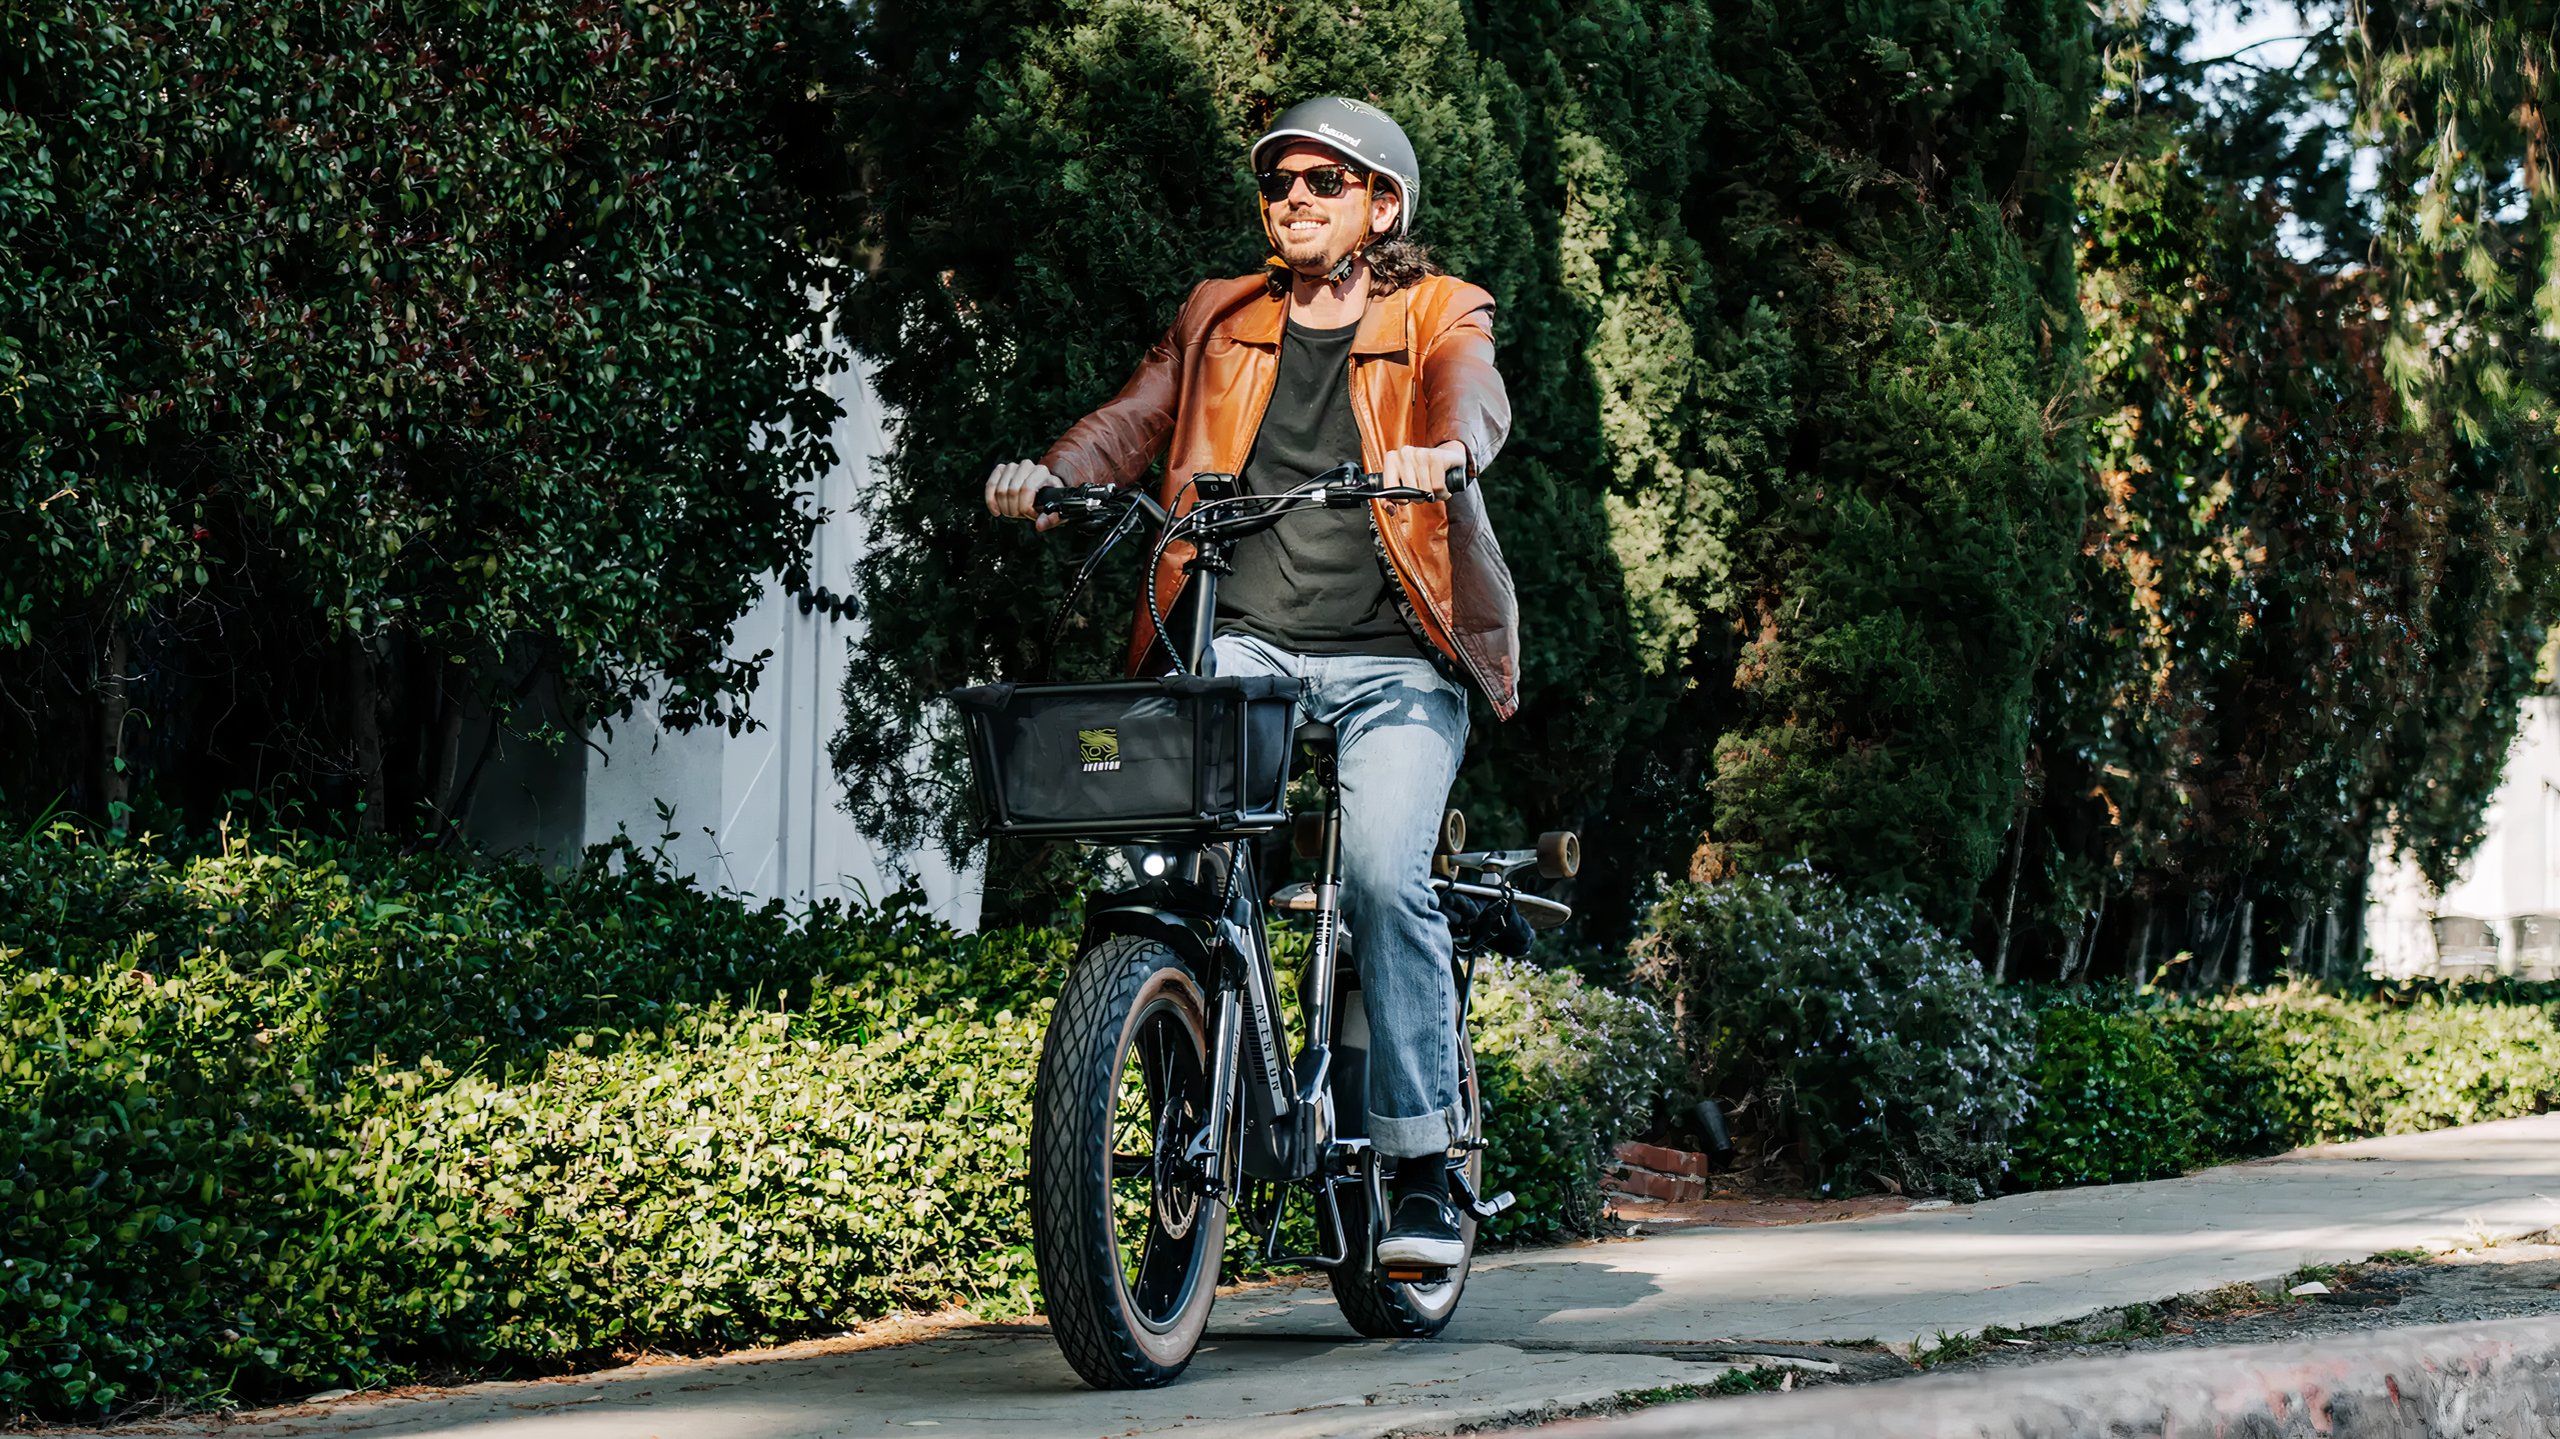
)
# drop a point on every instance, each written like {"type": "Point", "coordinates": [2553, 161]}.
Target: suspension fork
{"type": "Point", "coordinates": [1248, 1015]}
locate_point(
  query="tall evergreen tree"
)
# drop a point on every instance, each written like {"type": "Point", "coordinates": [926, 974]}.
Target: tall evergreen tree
{"type": "Point", "coordinates": [1782, 311]}
{"type": "Point", "coordinates": [2309, 593]}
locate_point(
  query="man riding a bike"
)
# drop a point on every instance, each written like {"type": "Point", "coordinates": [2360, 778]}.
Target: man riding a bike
{"type": "Point", "coordinates": [1352, 347]}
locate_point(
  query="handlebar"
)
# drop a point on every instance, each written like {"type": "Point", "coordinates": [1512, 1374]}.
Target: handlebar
{"type": "Point", "coordinates": [1090, 501]}
{"type": "Point", "coordinates": [1343, 487]}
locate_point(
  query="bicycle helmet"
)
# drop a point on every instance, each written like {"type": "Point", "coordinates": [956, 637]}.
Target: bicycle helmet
{"type": "Point", "coordinates": [1360, 133]}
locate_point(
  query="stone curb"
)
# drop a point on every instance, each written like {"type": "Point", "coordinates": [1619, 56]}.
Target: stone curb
{"type": "Point", "coordinates": [2497, 1379]}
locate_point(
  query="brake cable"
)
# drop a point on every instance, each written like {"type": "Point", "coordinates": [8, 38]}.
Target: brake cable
{"type": "Point", "coordinates": [1119, 531]}
{"type": "Point", "coordinates": [1174, 528]}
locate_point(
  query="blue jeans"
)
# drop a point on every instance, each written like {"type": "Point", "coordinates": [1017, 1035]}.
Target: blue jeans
{"type": "Point", "coordinates": [1400, 727]}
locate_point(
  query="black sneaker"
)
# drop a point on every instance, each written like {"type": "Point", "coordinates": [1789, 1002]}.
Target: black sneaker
{"type": "Point", "coordinates": [1424, 1232]}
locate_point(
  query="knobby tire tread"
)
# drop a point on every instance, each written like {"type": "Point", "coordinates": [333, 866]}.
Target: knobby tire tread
{"type": "Point", "coordinates": [1077, 1260]}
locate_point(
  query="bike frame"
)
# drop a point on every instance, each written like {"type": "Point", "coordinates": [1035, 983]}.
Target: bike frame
{"type": "Point", "coordinates": [1290, 1097]}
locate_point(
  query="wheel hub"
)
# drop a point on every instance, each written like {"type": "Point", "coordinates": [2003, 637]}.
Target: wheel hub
{"type": "Point", "coordinates": [1177, 1187]}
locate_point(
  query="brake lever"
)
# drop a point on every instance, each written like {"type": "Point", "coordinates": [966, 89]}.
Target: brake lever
{"type": "Point", "coordinates": [1356, 488]}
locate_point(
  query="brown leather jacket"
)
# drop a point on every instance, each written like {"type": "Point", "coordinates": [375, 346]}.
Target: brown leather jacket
{"type": "Point", "coordinates": [1421, 374]}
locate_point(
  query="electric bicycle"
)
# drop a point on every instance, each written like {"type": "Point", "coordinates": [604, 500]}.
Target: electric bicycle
{"type": "Point", "coordinates": [1170, 1099]}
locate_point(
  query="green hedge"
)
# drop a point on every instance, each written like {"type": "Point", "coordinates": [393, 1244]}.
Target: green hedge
{"type": "Point", "coordinates": [2165, 1083]}
{"type": "Point", "coordinates": [2113, 1102]}
{"type": "Point", "coordinates": [1855, 1043]}
{"type": "Point", "coordinates": [294, 1115]}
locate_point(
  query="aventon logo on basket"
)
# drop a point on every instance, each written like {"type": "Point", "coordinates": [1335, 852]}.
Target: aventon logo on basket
{"type": "Point", "coordinates": [1100, 749]}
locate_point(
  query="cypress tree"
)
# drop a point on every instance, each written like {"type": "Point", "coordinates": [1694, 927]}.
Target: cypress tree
{"type": "Point", "coordinates": [2313, 589]}
{"type": "Point", "coordinates": [1781, 314]}
{"type": "Point", "coordinates": [1890, 207]}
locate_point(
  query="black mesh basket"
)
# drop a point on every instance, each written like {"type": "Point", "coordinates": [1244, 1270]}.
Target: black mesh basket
{"type": "Point", "coordinates": [1133, 759]}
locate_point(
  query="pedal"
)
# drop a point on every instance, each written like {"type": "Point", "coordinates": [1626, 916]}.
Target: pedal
{"type": "Point", "coordinates": [1483, 1209]}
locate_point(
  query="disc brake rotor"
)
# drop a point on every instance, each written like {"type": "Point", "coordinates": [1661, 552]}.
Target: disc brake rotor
{"type": "Point", "coordinates": [1177, 1189]}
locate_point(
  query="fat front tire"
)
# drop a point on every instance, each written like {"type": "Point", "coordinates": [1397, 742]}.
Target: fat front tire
{"type": "Point", "coordinates": [1381, 1308]}
{"type": "Point", "coordinates": [1126, 1245]}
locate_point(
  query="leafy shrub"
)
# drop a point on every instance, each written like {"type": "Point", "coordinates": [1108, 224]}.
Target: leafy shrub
{"type": "Point", "coordinates": [1568, 1069]}
{"type": "Point", "coordinates": [2114, 1101]}
{"type": "Point", "coordinates": [1845, 1029]}
{"type": "Point", "coordinates": [2170, 1082]}
{"type": "Point", "coordinates": [303, 1113]}
{"type": "Point", "coordinates": [2321, 1066]}
{"type": "Point", "coordinates": [748, 1175]}
{"type": "Point", "coordinates": [296, 1114]}
{"type": "Point", "coordinates": [152, 1135]}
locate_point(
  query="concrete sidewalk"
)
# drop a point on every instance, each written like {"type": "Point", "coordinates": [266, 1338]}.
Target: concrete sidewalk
{"type": "Point", "coordinates": [1555, 1328]}
{"type": "Point", "coordinates": [2450, 1381]}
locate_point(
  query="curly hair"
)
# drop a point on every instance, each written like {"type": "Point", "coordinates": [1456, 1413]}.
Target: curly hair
{"type": "Point", "coordinates": [1394, 263]}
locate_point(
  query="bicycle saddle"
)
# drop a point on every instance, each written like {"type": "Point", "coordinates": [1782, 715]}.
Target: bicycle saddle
{"type": "Point", "coordinates": [1316, 735]}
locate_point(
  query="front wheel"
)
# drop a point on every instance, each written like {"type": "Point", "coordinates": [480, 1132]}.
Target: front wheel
{"type": "Point", "coordinates": [1126, 1239]}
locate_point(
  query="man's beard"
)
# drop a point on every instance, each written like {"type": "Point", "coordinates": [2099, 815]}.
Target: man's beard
{"type": "Point", "coordinates": [1315, 258]}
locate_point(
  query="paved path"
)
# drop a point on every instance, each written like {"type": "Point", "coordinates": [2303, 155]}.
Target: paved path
{"type": "Point", "coordinates": [1561, 1327]}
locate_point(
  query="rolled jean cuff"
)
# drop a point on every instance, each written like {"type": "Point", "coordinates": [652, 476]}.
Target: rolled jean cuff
{"type": "Point", "coordinates": [1422, 1134]}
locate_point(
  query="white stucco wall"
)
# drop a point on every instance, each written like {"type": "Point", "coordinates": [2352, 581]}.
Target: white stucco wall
{"type": "Point", "coordinates": [2514, 877]}
{"type": "Point", "coordinates": [757, 813]}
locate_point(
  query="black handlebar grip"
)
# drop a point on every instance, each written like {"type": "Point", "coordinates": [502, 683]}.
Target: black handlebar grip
{"type": "Point", "coordinates": [1456, 479]}
{"type": "Point", "coordinates": [1056, 499]}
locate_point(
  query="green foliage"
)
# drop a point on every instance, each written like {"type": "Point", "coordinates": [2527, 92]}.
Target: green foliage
{"type": "Point", "coordinates": [1850, 1039]}
{"type": "Point", "coordinates": [1904, 569]}
{"type": "Point", "coordinates": [293, 1114]}
{"type": "Point", "coordinates": [2165, 1084]}
{"type": "Point", "coordinates": [1568, 1070]}
{"type": "Point", "coordinates": [1846, 1031]}
{"type": "Point", "coordinates": [300, 1113]}
{"type": "Point", "coordinates": [2457, 100]}
{"type": "Point", "coordinates": [742, 1176]}
{"type": "Point", "coordinates": [369, 355]}
{"type": "Point", "coordinates": [1784, 305]}
{"type": "Point", "coordinates": [2305, 613]}
{"type": "Point", "coordinates": [2115, 1101]}
{"type": "Point", "coordinates": [2324, 1066]}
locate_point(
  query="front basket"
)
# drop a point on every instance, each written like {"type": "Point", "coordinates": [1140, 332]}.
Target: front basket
{"type": "Point", "coordinates": [1188, 757]}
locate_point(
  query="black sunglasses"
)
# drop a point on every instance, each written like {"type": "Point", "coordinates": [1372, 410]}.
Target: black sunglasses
{"type": "Point", "coordinates": [1325, 182]}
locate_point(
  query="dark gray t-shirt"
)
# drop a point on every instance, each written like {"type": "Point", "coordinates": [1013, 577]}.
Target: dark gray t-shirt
{"type": "Point", "coordinates": [1315, 583]}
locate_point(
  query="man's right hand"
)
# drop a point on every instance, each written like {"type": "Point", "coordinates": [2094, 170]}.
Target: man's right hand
{"type": "Point", "coordinates": [1010, 489]}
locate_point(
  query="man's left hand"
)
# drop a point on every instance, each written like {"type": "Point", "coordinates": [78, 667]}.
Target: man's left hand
{"type": "Point", "coordinates": [1423, 467]}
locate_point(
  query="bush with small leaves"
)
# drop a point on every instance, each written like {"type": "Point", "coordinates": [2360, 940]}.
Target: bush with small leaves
{"type": "Point", "coordinates": [1568, 1070]}
{"type": "Point", "coordinates": [291, 1113]}
{"type": "Point", "coordinates": [1846, 1031]}
{"type": "Point", "coordinates": [2114, 1101]}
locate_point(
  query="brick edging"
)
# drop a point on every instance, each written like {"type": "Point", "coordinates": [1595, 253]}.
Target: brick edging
{"type": "Point", "coordinates": [1650, 1171]}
